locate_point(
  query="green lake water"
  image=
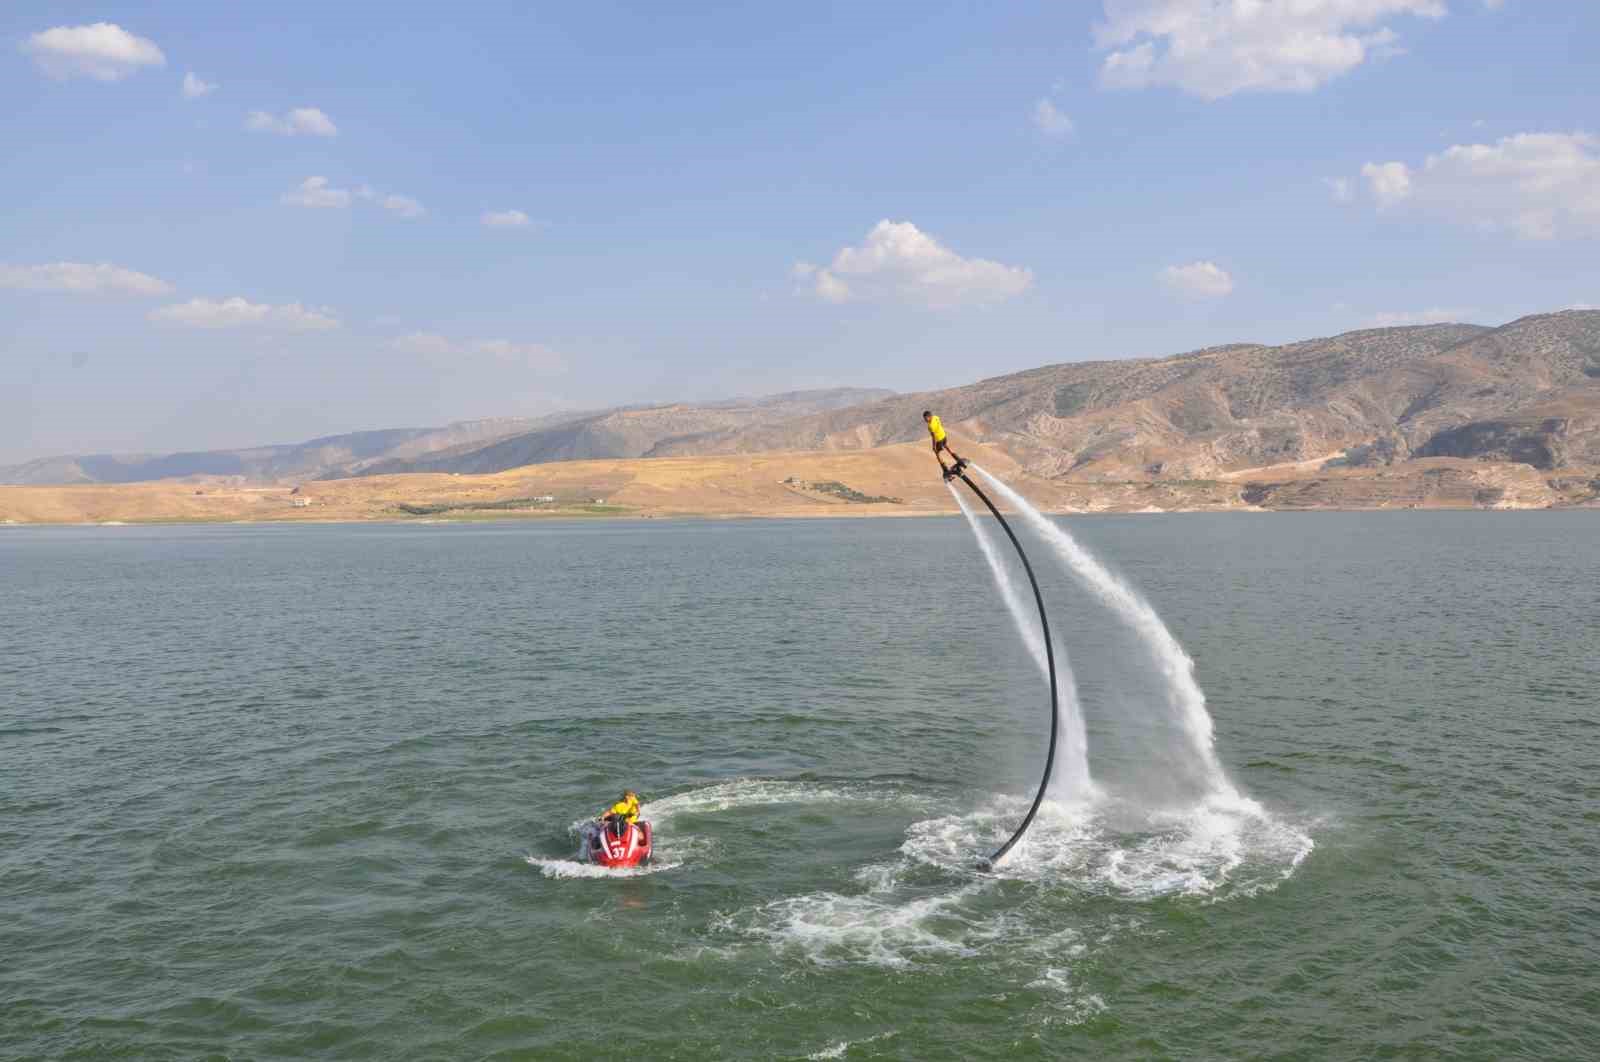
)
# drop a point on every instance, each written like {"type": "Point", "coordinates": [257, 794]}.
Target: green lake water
{"type": "Point", "coordinates": [311, 792]}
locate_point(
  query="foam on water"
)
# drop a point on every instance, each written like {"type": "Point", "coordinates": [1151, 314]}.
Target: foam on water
{"type": "Point", "coordinates": [874, 928]}
{"type": "Point", "coordinates": [931, 906]}
{"type": "Point", "coordinates": [572, 868]}
{"type": "Point", "coordinates": [838, 1050]}
{"type": "Point", "coordinates": [1077, 1008]}
{"type": "Point", "coordinates": [1221, 848]}
{"type": "Point", "coordinates": [674, 847]}
{"type": "Point", "coordinates": [760, 792]}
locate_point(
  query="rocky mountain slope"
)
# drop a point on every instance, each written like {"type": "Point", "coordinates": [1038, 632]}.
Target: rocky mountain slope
{"type": "Point", "coordinates": [475, 446]}
{"type": "Point", "coordinates": [1527, 392]}
{"type": "Point", "coordinates": [261, 464]}
{"type": "Point", "coordinates": [632, 432]}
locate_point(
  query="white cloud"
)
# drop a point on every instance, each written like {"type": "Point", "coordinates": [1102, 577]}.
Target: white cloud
{"type": "Point", "coordinates": [302, 120]}
{"type": "Point", "coordinates": [505, 219]}
{"type": "Point", "coordinates": [81, 278]}
{"type": "Point", "coordinates": [1049, 119]}
{"type": "Point", "coordinates": [103, 51]}
{"type": "Point", "coordinates": [1198, 279]}
{"type": "Point", "coordinates": [402, 205]}
{"type": "Point", "coordinates": [241, 313]}
{"type": "Point", "coordinates": [316, 192]}
{"type": "Point", "coordinates": [1339, 188]}
{"type": "Point", "coordinates": [194, 88]}
{"type": "Point", "coordinates": [440, 348]}
{"type": "Point", "coordinates": [1213, 49]}
{"type": "Point", "coordinates": [1395, 319]}
{"type": "Point", "coordinates": [898, 262]}
{"type": "Point", "coordinates": [1537, 185]}
{"type": "Point", "coordinates": [1390, 181]}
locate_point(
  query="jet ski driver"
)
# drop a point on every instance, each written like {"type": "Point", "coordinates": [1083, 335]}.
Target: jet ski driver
{"type": "Point", "coordinates": [941, 443]}
{"type": "Point", "coordinates": [623, 813]}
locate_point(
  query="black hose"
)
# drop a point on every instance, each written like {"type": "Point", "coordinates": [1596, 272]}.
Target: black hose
{"type": "Point", "coordinates": [1050, 657]}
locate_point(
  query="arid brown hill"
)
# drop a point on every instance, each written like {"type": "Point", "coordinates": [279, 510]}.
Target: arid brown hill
{"type": "Point", "coordinates": [262, 464]}
{"type": "Point", "coordinates": [1526, 392]}
{"type": "Point", "coordinates": [464, 446]}
{"type": "Point", "coordinates": [632, 432]}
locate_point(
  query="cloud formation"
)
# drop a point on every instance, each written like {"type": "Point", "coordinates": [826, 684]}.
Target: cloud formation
{"type": "Point", "coordinates": [1198, 279]}
{"type": "Point", "coordinates": [103, 51]}
{"type": "Point", "coordinates": [81, 278]}
{"type": "Point", "coordinates": [1436, 315]}
{"type": "Point", "coordinates": [194, 88]}
{"type": "Point", "coordinates": [1390, 181]}
{"type": "Point", "coordinates": [505, 219]}
{"type": "Point", "coordinates": [315, 192]}
{"type": "Point", "coordinates": [1049, 119]}
{"type": "Point", "coordinates": [403, 205]}
{"type": "Point", "coordinates": [1211, 49]}
{"type": "Point", "coordinates": [438, 348]}
{"type": "Point", "coordinates": [306, 121]}
{"type": "Point", "coordinates": [1536, 185]}
{"type": "Point", "coordinates": [241, 313]}
{"type": "Point", "coordinates": [898, 262]}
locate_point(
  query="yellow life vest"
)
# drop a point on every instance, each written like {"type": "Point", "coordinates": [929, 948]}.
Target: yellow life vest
{"type": "Point", "coordinates": [628, 810]}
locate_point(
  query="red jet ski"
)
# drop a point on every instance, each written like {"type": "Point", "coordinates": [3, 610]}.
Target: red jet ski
{"type": "Point", "coordinates": [603, 845]}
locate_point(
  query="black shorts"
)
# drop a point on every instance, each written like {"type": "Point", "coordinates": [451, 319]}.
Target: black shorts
{"type": "Point", "coordinates": [941, 444]}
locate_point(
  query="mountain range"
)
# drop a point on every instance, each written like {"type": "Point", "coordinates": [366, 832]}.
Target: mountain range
{"type": "Point", "coordinates": [1524, 393]}
{"type": "Point", "coordinates": [468, 446]}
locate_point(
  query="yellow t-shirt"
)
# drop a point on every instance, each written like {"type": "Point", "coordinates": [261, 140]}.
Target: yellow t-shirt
{"type": "Point", "coordinates": [628, 809]}
{"type": "Point", "coordinates": [936, 428]}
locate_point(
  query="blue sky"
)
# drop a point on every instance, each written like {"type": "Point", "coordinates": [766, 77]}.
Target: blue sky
{"type": "Point", "coordinates": [225, 225]}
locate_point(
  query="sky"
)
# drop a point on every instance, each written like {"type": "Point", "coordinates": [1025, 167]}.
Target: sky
{"type": "Point", "coordinates": [235, 224]}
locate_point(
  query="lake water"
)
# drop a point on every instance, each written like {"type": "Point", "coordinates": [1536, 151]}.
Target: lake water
{"type": "Point", "coordinates": [310, 792]}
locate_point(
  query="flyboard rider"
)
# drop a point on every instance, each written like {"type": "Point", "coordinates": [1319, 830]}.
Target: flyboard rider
{"type": "Point", "coordinates": [941, 444]}
{"type": "Point", "coordinates": [623, 813]}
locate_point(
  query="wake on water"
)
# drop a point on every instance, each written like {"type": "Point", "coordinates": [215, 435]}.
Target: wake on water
{"type": "Point", "coordinates": [675, 847]}
{"type": "Point", "coordinates": [927, 904]}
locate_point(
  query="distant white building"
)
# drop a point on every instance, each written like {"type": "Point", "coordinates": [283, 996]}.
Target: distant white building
{"type": "Point", "coordinates": [300, 503]}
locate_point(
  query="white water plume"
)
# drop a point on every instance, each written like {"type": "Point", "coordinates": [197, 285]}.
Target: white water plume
{"type": "Point", "coordinates": [1186, 701]}
{"type": "Point", "coordinates": [1071, 771]}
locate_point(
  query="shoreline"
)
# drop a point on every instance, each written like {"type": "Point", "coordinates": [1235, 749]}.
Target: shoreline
{"type": "Point", "coordinates": [885, 482]}
{"type": "Point", "coordinates": [689, 517]}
